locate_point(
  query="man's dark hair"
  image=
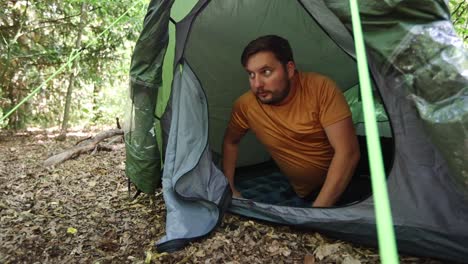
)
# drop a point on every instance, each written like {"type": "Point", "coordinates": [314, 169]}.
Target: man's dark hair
{"type": "Point", "coordinates": [277, 45]}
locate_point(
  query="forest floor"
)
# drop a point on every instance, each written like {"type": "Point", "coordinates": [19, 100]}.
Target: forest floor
{"type": "Point", "coordinates": [80, 212]}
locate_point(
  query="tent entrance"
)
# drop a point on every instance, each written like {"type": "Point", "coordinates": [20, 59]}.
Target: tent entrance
{"type": "Point", "coordinates": [264, 182]}
{"type": "Point", "coordinates": [218, 34]}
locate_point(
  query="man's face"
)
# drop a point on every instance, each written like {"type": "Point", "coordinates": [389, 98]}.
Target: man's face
{"type": "Point", "coordinates": [269, 79]}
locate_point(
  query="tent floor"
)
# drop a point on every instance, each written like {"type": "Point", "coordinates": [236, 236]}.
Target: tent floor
{"type": "Point", "coordinates": [266, 184]}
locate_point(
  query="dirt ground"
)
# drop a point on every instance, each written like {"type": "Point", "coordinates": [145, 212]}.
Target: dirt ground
{"type": "Point", "coordinates": [80, 212]}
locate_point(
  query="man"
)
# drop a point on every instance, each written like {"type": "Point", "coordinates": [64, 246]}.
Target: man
{"type": "Point", "coordinates": [302, 119]}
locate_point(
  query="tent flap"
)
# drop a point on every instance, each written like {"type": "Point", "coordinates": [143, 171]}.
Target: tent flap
{"type": "Point", "coordinates": [195, 190]}
{"type": "Point", "coordinates": [143, 158]}
{"type": "Point", "coordinates": [436, 79]}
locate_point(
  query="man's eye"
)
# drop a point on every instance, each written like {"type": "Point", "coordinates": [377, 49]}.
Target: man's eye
{"type": "Point", "coordinates": [267, 72]}
{"type": "Point", "coordinates": [251, 75]}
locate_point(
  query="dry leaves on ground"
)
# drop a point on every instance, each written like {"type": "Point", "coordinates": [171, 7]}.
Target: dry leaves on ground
{"type": "Point", "coordinates": [80, 212]}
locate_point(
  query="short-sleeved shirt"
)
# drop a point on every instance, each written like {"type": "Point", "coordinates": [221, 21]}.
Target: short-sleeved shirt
{"type": "Point", "coordinates": [293, 132]}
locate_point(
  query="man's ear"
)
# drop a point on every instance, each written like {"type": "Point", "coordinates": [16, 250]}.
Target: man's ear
{"type": "Point", "coordinates": [291, 68]}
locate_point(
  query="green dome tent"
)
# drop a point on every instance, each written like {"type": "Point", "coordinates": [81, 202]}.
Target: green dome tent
{"type": "Point", "coordinates": [420, 74]}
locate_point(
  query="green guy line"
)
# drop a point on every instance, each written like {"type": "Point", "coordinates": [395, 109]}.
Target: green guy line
{"type": "Point", "coordinates": [75, 54]}
{"type": "Point", "coordinates": [385, 232]}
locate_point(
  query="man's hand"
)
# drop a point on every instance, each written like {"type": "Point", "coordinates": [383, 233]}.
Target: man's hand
{"type": "Point", "coordinates": [236, 194]}
{"type": "Point", "coordinates": [230, 152]}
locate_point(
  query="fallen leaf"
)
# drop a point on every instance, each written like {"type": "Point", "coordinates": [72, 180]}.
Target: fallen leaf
{"type": "Point", "coordinates": [108, 245]}
{"type": "Point", "coordinates": [285, 252]}
{"type": "Point", "coordinates": [72, 230]}
{"type": "Point", "coordinates": [274, 247]}
{"type": "Point", "coordinates": [148, 257]}
{"type": "Point", "coordinates": [200, 253]}
{"type": "Point", "coordinates": [158, 255]}
{"type": "Point", "coordinates": [350, 260]}
{"type": "Point", "coordinates": [326, 250]}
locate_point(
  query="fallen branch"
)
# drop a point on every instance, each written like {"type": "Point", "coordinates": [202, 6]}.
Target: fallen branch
{"type": "Point", "coordinates": [111, 147]}
{"type": "Point", "coordinates": [78, 143]}
{"type": "Point", "coordinates": [90, 145]}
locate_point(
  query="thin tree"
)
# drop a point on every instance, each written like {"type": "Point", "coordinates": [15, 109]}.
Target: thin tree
{"type": "Point", "coordinates": [73, 73]}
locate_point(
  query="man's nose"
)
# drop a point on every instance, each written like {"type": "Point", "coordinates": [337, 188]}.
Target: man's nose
{"type": "Point", "coordinates": [257, 82]}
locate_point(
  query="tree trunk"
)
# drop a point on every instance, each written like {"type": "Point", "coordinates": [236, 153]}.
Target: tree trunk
{"type": "Point", "coordinates": [97, 113]}
{"type": "Point", "coordinates": [13, 93]}
{"type": "Point", "coordinates": [73, 74]}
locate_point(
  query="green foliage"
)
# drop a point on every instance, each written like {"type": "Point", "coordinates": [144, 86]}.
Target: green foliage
{"type": "Point", "coordinates": [459, 17]}
{"type": "Point", "coordinates": [38, 37]}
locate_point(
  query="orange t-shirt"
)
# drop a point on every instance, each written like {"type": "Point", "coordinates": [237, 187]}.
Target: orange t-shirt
{"type": "Point", "coordinates": [293, 132]}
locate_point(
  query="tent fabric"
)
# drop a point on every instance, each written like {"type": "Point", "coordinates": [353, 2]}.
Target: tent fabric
{"type": "Point", "coordinates": [423, 47]}
{"type": "Point", "coordinates": [142, 153]}
{"type": "Point", "coordinates": [188, 171]}
{"type": "Point", "coordinates": [419, 69]}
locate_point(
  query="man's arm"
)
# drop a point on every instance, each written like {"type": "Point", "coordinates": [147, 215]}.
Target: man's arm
{"type": "Point", "coordinates": [343, 139]}
{"type": "Point", "coordinates": [230, 152]}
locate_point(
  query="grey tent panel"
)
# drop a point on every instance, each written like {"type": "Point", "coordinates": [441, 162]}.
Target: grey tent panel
{"type": "Point", "coordinates": [326, 19]}
{"type": "Point", "coordinates": [183, 30]}
{"type": "Point", "coordinates": [188, 171]}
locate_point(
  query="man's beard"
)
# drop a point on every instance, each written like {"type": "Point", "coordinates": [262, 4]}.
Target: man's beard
{"type": "Point", "coordinates": [276, 97]}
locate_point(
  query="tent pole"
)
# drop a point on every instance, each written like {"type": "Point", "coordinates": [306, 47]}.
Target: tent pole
{"type": "Point", "coordinates": [383, 214]}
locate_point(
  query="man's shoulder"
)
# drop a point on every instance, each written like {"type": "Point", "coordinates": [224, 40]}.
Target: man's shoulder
{"type": "Point", "coordinates": [244, 103]}
{"type": "Point", "coordinates": [246, 98]}
{"type": "Point", "coordinates": [317, 83]}
{"type": "Point", "coordinates": [313, 77]}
